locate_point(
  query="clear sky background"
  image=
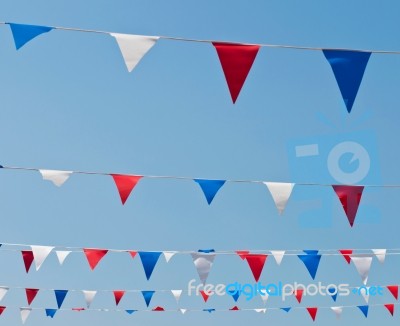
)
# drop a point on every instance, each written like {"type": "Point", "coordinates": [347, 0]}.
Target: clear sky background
{"type": "Point", "coordinates": [68, 103]}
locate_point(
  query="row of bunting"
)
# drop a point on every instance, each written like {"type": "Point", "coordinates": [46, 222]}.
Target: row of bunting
{"type": "Point", "coordinates": [349, 195]}
{"type": "Point", "coordinates": [236, 59]}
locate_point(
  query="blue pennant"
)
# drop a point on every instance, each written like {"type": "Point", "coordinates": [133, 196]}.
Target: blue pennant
{"type": "Point", "coordinates": [130, 312]}
{"type": "Point", "coordinates": [210, 310]}
{"type": "Point", "coordinates": [235, 294]}
{"type": "Point", "coordinates": [348, 68]}
{"type": "Point", "coordinates": [287, 309]}
{"type": "Point", "coordinates": [149, 260]}
{"type": "Point", "coordinates": [364, 310]}
{"type": "Point", "coordinates": [333, 293]}
{"type": "Point", "coordinates": [1, 167]}
{"type": "Point", "coordinates": [206, 251]}
{"type": "Point", "coordinates": [311, 261]}
{"type": "Point", "coordinates": [60, 296]}
{"type": "Point", "coordinates": [24, 33]}
{"type": "Point", "coordinates": [147, 295]}
{"type": "Point", "coordinates": [51, 312]}
{"type": "Point", "coordinates": [210, 188]}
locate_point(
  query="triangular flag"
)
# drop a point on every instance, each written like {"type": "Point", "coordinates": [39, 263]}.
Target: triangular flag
{"type": "Point", "coordinates": [133, 253]}
{"type": "Point", "coordinates": [394, 290]}
{"type": "Point", "coordinates": [149, 260]}
{"type": "Point", "coordinates": [210, 188]}
{"type": "Point", "coordinates": [348, 68]}
{"type": "Point", "coordinates": [205, 295]}
{"type": "Point", "coordinates": [242, 253]}
{"type": "Point", "coordinates": [311, 262]}
{"type": "Point", "coordinates": [364, 291]}
{"type": "Point", "coordinates": [24, 33]}
{"type": "Point", "coordinates": [56, 176]}
{"type": "Point", "coordinates": [209, 310]}
{"type": "Point", "coordinates": [130, 311]}
{"type": "Point", "coordinates": [256, 263]}
{"type": "Point", "coordinates": [183, 311]}
{"type": "Point", "coordinates": [313, 312]}
{"type": "Point", "coordinates": [287, 309]}
{"type": "Point", "coordinates": [264, 296]}
{"type": "Point", "coordinates": [298, 293]}
{"type": "Point", "coordinates": [235, 294]}
{"type": "Point", "coordinates": [125, 184]}
{"type": "Point", "coordinates": [2, 308]}
{"type": "Point", "coordinates": [263, 310]}
{"type": "Point", "coordinates": [158, 308]}
{"type": "Point", "coordinates": [147, 295]}
{"type": "Point", "coordinates": [390, 308]}
{"type": "Point", "coordinates": [89, 296]}
{"type": "Point", "coordinates": [78, 309]}
{"type": "Point", "coordinates": [363, 265]}
{"type": "Point", "coordinates": [61, 255]}
{"type": "Point", "coordinates": [338, 311]}
{"type": "Point", "coordinates": [94, 256]}
{"type": "Point", "coordinates": [203, 263]}
{"type": "Point", "coordinates": [176, 294]}
{"type": "Point", "coordinates": [134, 47]}
{"type": "Point", "coordinates": [3, 292]}
{"type": "Point", "coordinates": [60, 297]}
{"type": "Point", "coordinates": [27, 256]}
{"type": "Point", "coordinates": [278, 255]}
{"type": "Point", "coordinates": [380, 254]}
{"type": "Point", "coordinates": [40, 254]}
{"type": "Point", "coordinates": [280, 193]}
{"type": "Point", "coordinates": [118, 294]}
{"type": "Point", "coordinates": [364, 310]}
{"type": "Point", "coordinates": [25, 313]}
{"type": "Point", "coordinates": [31, 294]}
{"type": "Point", "coordinates": [350, 197]}
{"type": "Point", "coordinates": [333, 292]}
{"type": "Point", "coordinates": [168, 255]}
{"type": "Point", "coordinates": [50, 312]}
{"type": "Point", "coordinates": [235, 308]}
{"type": "Point", "coordinates": [236, 61]}
{"type": "Point", "coordinates": [346, 254]}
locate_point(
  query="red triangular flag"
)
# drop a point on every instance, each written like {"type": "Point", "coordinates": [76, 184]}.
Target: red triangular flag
{"type": "Point", "coordinates": [350, 197]}
{"type": "Point", "coordinates": [394, 289]}
{"type": "Point", "coordinates": [132, 253]}
{"type": "Point", "coordinates": [236, 61]}
{"type": "Point", "coordinates": [125, 184]}
{"type": "Point", "coordinates": [31, 294]}
{"type": "Point", "coordinates": [158, 308]}
{"type": "Point", "coordinates": [118, 294]}
{"type": "Point", "coordinates": [234, 308]}
{"type": "Point", "coordinates": [205, 295]}
{"type": "Point", "coordinates": [298, 294]}
{"type": "Point", "coordinates": [256, 263]}
{"type": "Point", "coordinates": [346, 254]}
{"type": "Point", "coordinates": [313, 312]}
{"type": "Point", "coordinates": [242, 253]}
{"type": "Point", "coordinates": [27, 256]}
{"type": "Point", "coordinates": [78, 309]}
{"type": "Point", "coordinates": [94, 256]}
{"type": "Point", "coordinates": [390, 307]}
{"type": "Point", "coordinates": [2, 308]}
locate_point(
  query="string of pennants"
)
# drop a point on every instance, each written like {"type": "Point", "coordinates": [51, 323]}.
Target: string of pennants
{"type": "Point", "coordinates": [236, 59]}
{"type": "Point", "coordinates": [349, 195]}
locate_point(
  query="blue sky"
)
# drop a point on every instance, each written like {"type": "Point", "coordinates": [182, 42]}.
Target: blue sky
{"type": "Point", "coordinates": [69, 103]}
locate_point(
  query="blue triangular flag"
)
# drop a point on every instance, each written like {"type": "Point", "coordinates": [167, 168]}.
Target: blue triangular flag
{"type": "Point", "coordinates": [311, 252]}
{"type": "Point", "coordinates": [147, 295]}
{"type": "Point", "coordinates": [311, 261]}
{"type": "Point", "coordinates": [24, 33]}
{"type": "Point", "coordinates": [206, 251]}
{"type": "Point", "coordinates": [210, 188]}
{"type": "Point", "coordinates": [50, 312]}
{"type": "Point", "coordinates": [130, 312]}
{"type": "Point", "coordinates": [287, 309]}
{"type": "Point", "coordinates": [210, 310]}
{"type": "Point", "coordinates": [235, 294]}
{"type": "Point", "coordinates": [364, 310]}
{"type": "Point", "coordinates": [333, 293]}
{"type": "Point", "coordinates": [149, 260]}
{"type": "Point", "coordinates": [60, 296]}
{"type": "Point", "coordinates": [348, 68]}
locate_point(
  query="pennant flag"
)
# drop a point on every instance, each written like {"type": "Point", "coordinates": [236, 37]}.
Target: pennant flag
{"type": "Point", "coordinates": [280, 193]}
{"type": "Point", "coordinates": [147, 295]}
{"type": "Point", "coordinates": [149, 260]}
{"type": "Point", "coordinates": [390, 308]}
{"type": "Point", "coordinates": [242, 253]}
{"type": "Point", "coordinates": [50, 312]}
{"type": "Point", "coordinates": [337, 311]}
{"type": "Point", "coordinates": [25, 312]}
{"type": "Point", "coordinates": [364, 291]}
{"type": "Point", "coordinates": [236, 61]}
{"type": "Point", "coordinates": [350, 197]}
{"type": "Point", "coordinates": [94, 256]}
{"type": "Point", "coordinates": [78, 309]}
{"type": "Point", "coordinates": [56, 176]}
{"type": "Point", "coordinates": [89, 296]}
{"type": "Point", "coordinates": [235, 294]}
{"type": "Point", "coordinates": [3, 292]}
{"type": "Point", "coordinates": [176, 294]}
{"type": "Point", "coordinates": [364, 310]}
{"type": "Point", "coordinates": [125, 184]}
{"type": "Point", "coordinates": [61, 255]}
{"type": "Point", "coordinates": [278, 255]}
{"type": "Point", "coordinates": [2, 308]}
{"type": "Point", "coordinates": [380, 254]}
{"type": "Point", "coordinates": [168, 255]}
{"type": "Point", "coordinates": [298, 293]}
{"type": "Point", "coordinates": [60, 296]}
{"type": "Point", "coordinates": [256, 263]}
{"type": "Point", "coordinates": [311, 261]}
{"type": "Point", "coordinates": [263, 310]}
{"type": "Point", "coordinates": [40, 254]}
{"type": "Point", "coordinates": [158, 308]}
{"type": "Point", "coordinates": [348, 68]}
{"type": "Point", "coordinates": [210, 188]}
{"type": "Point", "coordinates": [312, 312]}
{"type": "Point", "coordinates": [183, 311]}
{"type": "Point", "coordinates": [346, 254]}
{"type": "Point", "coordinates": [27, 256]}
{"type": "Point", "coordinates": [203, 263]}
{"type": "Point", "coordinates": [210, 310]}
{"type": "Point", "coordinates": [394, 290]}
{"type": "Point", "coordinates": [134, 47]}
{"type": "Point", "coordinates": [235, 308]}
{"type": "Point", "coordinates": [363, 265]}
{"type": "Point", "coordinates": [206, 251]}
{"type": "Point", "coordinates": [24, 33]}
{"type": "Point", "coordinates": [118, 294]}
{"type": "Point", "coordinates": [205, 295]}
{"type": "Point", "coordinates": [264, 296]}
{"type": "Point", "coordinates": [130, 312]}
{"type": "Point", "coordinates": [287, 309]}
{"type": "Point", "coordinates": [333, 293]}
{"type": "Point", "coordinates": [31, 294]}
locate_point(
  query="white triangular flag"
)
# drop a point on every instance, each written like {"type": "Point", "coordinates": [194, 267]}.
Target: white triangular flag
{"type": "Point", "coordinates": [263, 310]}
{"type": "Point", "coordinates": [337, 311]}
{"type": "Point", "coordinates": [3, 292]}
{"type": "Point", "coordinates": [364, 291]}
{"type": "Point", "coordinates": [55, 176]}
{"type": "Point", "coordinates": [380, 254]}
{"type": "Point", "coordinates": [176, 294]}
{"type": "Point", "coordinates": [363, 265]}
{"type": "Point", "coordinates": [278, 255]}
{"type": "Point", "coordinates": [25, 314]}
{"type": "Point", "coordinates": [89, 296]}
{"type": "Point", "coordinates": [134, 47]}
{"type": "Point", "coordinates": [61, 255]}
{"type": "Point", "coordinates": [183, 311]}
{"type": "Point", "coordinates": [280, 193]}
{"type": "Point", "coordinates": [40, 254]}
{"type": "Point", "coordinates": [168, 255]}
{"type": "Point", "coordinates": [203, 263]}
{"type": "Point", "coordinates": [264, 297]}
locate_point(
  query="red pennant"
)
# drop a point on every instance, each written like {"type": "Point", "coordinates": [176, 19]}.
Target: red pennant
{"type": "Point", "coordinates": [242, 253]}
{"type": "Point", "coordinates": [94, 256]}
{"type": "Point", "coordinates": [298, 294]}
{"type": "Point", "coordinates": [78, 309]}
{"type": "Point", "coordinates": [256, 263]}
{"type": "Point", "coordinates": [31, 294]}
{"type": "Point", "coordinates": [27, 256]}
{"type": "Point", "coordinates": [235, 308]}
{"type": "Point", "coordinates": [125, 184]}
{"type": "Point", "coordinates": [390, 307]}
{"type": "Point", "coordinates": [205, 295]}
{"type": "Point", "coordinates": [394, 289]}
{"type": "Point", "coordinates": [350, 197]}
{"type": "Point", "coordinates": [158, 308]}
{"type": "Point", "coordinates": [313, 312]}
{"type": "Point", "coordinates": [2, 308]}
{"type": "Point", "coordinates": [132, 253]}
{"type": "Point", "coordinates": [346, 254]}
{"type": "Point", "coordinates": [236, 61]}
{"type": "Point", "coordinates": [118, 294]}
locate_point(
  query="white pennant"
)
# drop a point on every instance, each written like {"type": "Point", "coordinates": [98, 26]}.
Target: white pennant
{"type": "Point", "coordinates": [3, 292]}
{"type": "Point", "coordinates": [363, 265]}
{"type": "Point", "coordinates": [183, 311]}
{"type": "Point", "coordinates": [25, 314]}
{"type": "Point", "coordinates": [40, 254]}
{"type": "Point", "coordinates": [61, 255]}
{"type": "Point", "coordinates": [365, 293]}
{"type": "Point", "coordinates": [264, 297]}
{"type": "Point", "coordinates": [176, 294]}
{"type": "Point", "coordinates": [89, 296]}
{"type": "Point", "coordinates": [55, 176]}
{"type": "Point", "coordinates": [134, 47]}
{"type": "Point", "coordinates": [337, 311]}
{"type": "Point", "coordinates": [280, 193]}
{"type": "Point", "coordinates": [203, 263]}
{"type": "Point", "coordinates": [168, 255]}
{"type": "Point", "coordinates": [264, 310]}
{"type": "Point", "coordinates": [380, 254]}
{"type": "Point", "coordinates": [278, 255]}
